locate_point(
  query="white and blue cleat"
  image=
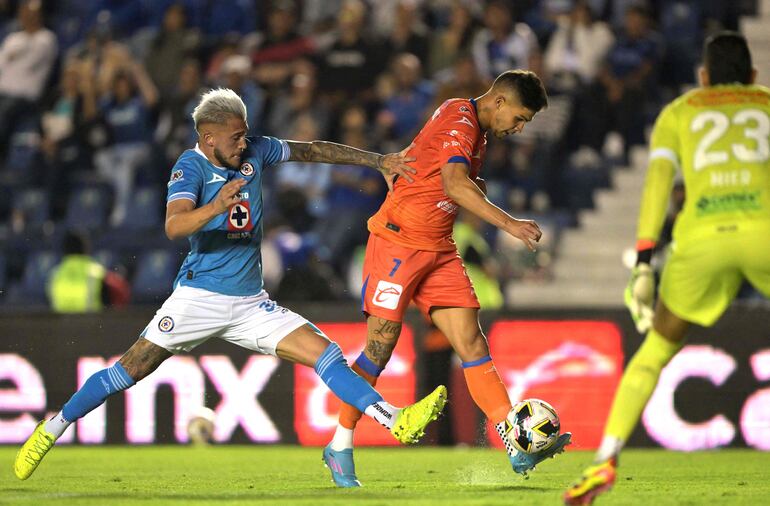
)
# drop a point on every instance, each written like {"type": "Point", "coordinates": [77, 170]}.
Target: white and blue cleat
{"type": "Point", "coordinates": [524, 462]}
{"type": "Point", "coordinates": [340, 463]}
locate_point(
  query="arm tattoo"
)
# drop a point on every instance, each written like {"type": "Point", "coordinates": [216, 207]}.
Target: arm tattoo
{"type": "Point", "coordinates": [330, 152]}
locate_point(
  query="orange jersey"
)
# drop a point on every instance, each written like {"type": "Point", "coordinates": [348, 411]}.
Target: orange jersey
{"type": "Point", "coordinates": [419, 215]}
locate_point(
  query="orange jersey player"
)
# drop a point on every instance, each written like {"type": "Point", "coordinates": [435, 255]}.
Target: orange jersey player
{"type": "Point", "coordinates": [410, 255]}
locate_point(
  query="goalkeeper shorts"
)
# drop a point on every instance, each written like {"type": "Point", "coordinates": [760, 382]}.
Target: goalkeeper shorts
{"type": "Point", "coordinates": [703, 273]}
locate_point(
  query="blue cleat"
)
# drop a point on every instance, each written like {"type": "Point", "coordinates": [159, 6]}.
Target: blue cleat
{"type": "Point", "coordinates": [342, 467]}
{"type": "Point", "coordinates": [524, 462]}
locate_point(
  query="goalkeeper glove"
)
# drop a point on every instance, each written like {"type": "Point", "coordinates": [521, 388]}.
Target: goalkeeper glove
{"type": "Point", "coordinates": [639, 296]}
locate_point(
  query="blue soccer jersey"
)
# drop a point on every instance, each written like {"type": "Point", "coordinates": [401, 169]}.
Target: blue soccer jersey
{"type": "Point", "coordinates": [225, 254]}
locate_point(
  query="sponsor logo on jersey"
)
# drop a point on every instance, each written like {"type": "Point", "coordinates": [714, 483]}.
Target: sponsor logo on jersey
{"type": "Point", "coordinates": [239, 235]}
{"type": "Point", "coordinates": [215, 178]}
{"type": "Point", "coordinates": [728, 202]}
{"type": "Point", "coordinates": [464, 108]}
{"type": "Point", "coordinates": [465, 121]}
{"type": "Point", "coordinates": [453, 143]}
{"type": "Point", "coordinates": [166, 324]}
{"type": "Point", "coordinates": [387, 294]}
{"type": "Point", "coordinates": [239, 216]}
{"type": "Point", "coordinates": [247, 169]}
{"type": "Point", "coordinates": [176, 176]}
{"type": "Point", "coordinates": [448, 206]}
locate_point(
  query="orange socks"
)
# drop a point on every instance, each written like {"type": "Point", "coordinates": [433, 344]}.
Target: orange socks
{"type": "Point", "coordinates": [349, 415]}
{"type": "Point", "coordinates": [487, 389]}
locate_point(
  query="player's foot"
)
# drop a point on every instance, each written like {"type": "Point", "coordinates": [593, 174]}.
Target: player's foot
{"type": "Point", "coordinates": [342, 467]}
{"type": "Point", "coordinates": [524, 462]}
{"type": "Point", "coordinates": [32, 452]}
{"type": "Point", "coordinates": [595, 480]}
{"type": "Point", "coordinates": [411, 421]}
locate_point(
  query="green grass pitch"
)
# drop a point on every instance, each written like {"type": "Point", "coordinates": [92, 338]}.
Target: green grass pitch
{"type": "Point", "coordinates": [235, 475]}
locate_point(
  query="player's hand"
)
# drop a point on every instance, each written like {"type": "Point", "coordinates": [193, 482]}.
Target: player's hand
{"type": "Point", "coordinates": [395, 164]}
{"type": "Point", "coordinates": [639, 295]}
{"type": "Point", "coordinates": [527, 231]}
{"type": "Point", "coordinates": [228, 195]}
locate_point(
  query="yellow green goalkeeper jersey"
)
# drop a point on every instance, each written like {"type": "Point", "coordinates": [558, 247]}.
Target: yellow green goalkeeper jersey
{"type": "Point", "coordinates": [719, 137]}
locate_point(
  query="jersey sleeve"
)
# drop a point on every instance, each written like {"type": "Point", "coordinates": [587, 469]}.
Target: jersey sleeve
{"type": "Point", "coordinates": [272, 150]}
{"type": "Point", "coordinates": [455, 138]}
{"type": "Point", "coordinates": [663, 165]}
{"type": "Point", "coordinates": [186, 182]}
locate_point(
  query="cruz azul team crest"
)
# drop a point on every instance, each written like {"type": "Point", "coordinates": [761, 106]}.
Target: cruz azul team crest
{"type": "Point", "coordinates": [166, 324]}
{"type": "Point", "coordinates": [247, 169]}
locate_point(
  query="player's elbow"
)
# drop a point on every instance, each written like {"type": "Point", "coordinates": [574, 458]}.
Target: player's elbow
{"type": "Point", "coordinates": [172, 231]}
{"type": "Point", "coordinates": [452, 189]}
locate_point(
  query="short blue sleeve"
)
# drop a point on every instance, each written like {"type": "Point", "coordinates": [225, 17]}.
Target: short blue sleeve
{"type": "Point", "coordinates": [185, 182]}
{"type": "Point", "coordinates": [272, 150]}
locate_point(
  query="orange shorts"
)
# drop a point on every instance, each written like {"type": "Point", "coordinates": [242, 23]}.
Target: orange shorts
{"type": "Point", "coordinates": [394, 275]}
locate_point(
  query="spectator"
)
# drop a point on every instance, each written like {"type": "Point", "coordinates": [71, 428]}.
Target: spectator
{"type": "Point", "coordinates": [350, 66]}
{"type": "Point", "coordinates": [309, 179]}
{"type": "Point", "coordinates": [409, 34]}
{"type": "Point", "coordinates": [103, 55]}
{"type": "Point", "coordinates": [577, 49]}
{"type": "Point", "coordinates": [447, 44]}
{"type": "Point", "coordinates": [282, 46]}
{"type": "Point", "coordinates": [79, 284]}
{"type": "Point", "coordinates": [503, 45]}
{"type": "Point", "coordinates": [618, 100]}
{"type": "Point", "coordinates": [123, 16]}
{"type": "Point", "coordinates": [126, 112]}
{"type": "Point", "coordinates": [461, 80]}
{"type": "Point", "coordinates": [169, 49]}
{"type": "Point", "coordinates": [176, 128]}
{"type": "Point", "coordinates": [298, 99]}
{"type": "Point", "coordinates": [65, 127]}
{"type": "Point", "coordinates": [404, 112]}
{"type": "Point", "coordinates": [235, 75]}
{"type": "Point", "coordinates": [26, 59]}
{"type": "Point", "coordinates": [353, 195]}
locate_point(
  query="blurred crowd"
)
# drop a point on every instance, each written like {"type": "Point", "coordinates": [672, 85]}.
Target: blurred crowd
{"type": "Point", "coordinates": [96, 97]}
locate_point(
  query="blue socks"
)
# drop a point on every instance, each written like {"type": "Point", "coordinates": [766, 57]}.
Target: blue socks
{"type": "Point", "coordinates": [95, 390]}
{"type": "Point", "coordinates": [346, 384]}
{"type": "Point", "coordinates": [368, 366]}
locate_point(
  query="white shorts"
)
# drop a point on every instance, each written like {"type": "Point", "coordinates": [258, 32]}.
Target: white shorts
{"type": "Point", "coordinates": [190, 316]}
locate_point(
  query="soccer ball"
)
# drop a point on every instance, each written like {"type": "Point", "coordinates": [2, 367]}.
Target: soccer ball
{"type": "Point", "coordinates": [200, 427]}
{"type": "Point", "coordinates": [532, 425]}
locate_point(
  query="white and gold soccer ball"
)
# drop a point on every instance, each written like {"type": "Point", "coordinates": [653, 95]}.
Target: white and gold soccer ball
{"type": "Point", "coordinates": [200, 427]}
{"type": "Point", "coordinates": [532, 425]}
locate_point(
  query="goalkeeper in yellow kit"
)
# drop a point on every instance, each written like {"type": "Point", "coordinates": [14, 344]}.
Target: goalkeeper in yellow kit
{"type": "Point", "coordinates": [718, 136]}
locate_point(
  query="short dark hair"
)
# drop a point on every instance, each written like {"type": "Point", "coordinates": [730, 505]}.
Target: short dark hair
{"type": "Point", "coordinates": [527, 86]}
{"type": "Point", "coordinates": [727, 58]}
{"type": "Point", "coordinates": [75, 242]}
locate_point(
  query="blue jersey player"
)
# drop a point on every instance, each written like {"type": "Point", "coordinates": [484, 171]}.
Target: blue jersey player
{"type": "Point", "coordinates": [215, 199]}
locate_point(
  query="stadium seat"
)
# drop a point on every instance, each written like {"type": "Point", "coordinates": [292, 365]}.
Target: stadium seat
{"type": "Point", "coordinates": [31, 289]}
{"type": "Point", "coordinates": [23, 150]}
{"type": "Point", "coordinates": [154, 275]}
{"type": "Point", "coordinates": [144, 210]}
{"type": "Point", "coordinates": [108, 258]}
{"type": "Point", "coordinates": [33, 204]}
{"type": "Point", "coordinates": [88, 208]}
